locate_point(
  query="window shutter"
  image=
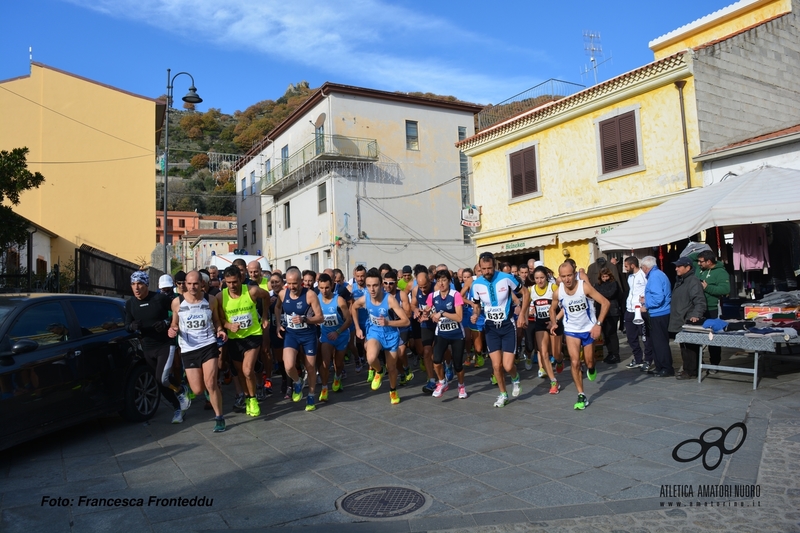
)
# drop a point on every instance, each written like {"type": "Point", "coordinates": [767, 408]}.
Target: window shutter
{"type": "Point", "coordinates": [608, 141]}
{"type": "Point", "coordinates": [517, 188]}
{"type": "Point", "coordinates": [529, 163]}
{"type": "Point", "coordinates": [627, 140]}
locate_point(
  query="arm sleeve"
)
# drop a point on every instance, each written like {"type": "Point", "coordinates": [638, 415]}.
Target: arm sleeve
{"type": "Point", "coordinates": [128, 314]}
{"type": "Point", "coordinates": [458, 299]}
{"type": "Point", "coordinates": [429, 301]}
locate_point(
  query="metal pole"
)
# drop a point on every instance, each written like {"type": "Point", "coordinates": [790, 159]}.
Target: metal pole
{"type": "Point", "coordinates": [680, 85]}
{"type": "Point", "coordinates": [166, 170]}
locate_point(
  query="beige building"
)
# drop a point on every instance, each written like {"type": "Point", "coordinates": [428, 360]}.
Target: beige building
{"type": "Point", "coordinates": [95, 145]}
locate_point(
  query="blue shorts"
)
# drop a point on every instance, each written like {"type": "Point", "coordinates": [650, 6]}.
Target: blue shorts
{"type": "Point", "coordinates": [502, 338]}
{"type": "Point", "coordinates": [306, 344]}
{"type": "Point", "coordinates": [341, 341]}
{"type": "Point", "coordinates": [389, 338]}
{"type": "Point", "coordinates": [467, 321]}
{"type": "Point", "coordinates": [586, 338]}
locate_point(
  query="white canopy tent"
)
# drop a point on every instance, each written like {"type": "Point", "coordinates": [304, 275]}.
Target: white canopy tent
{"type": "Point", "coordinates": [767, 194]}
{"type": "Point", "coordinates": [224, 261]}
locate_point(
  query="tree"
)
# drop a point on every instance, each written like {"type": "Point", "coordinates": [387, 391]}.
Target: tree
{"type": "Point", "coordinates": [14, 179]}
{"type": "Point", "coordinates": [199, 161]}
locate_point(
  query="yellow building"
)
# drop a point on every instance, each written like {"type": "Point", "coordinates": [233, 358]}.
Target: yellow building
{"type": "Point", "coordinates": [552, 178]}
{"type": "Point", "coordinates": [95, 145]}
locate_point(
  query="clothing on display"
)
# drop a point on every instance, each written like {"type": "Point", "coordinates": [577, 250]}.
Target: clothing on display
{"type": "Point", "coordinates": [750, 248]}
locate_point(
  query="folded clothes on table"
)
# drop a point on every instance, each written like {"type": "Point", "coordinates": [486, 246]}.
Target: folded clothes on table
{"type": "Point", "coordinates": [715, 324]}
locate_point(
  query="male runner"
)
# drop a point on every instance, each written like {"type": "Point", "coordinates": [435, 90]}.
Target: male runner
{"type": "Point", "coordinates": [382, 333]}
{"type": "Point", "coordinates": [494, 290]}
{"type": "Point", "coordinates": [197, 325]}
{"type": "Point", "coordinates": [302, 312]}
{"type": "Point", "coordinates": [390, 285]}
{"type": "Point", "coordinates": [334, 334]}
{"type": "Point", "coordinates": [358, 289]}
{"type": "Point", "coordinates": [581, 327]}
{"type": "Point", "coordinates": [422, 314]}
{"type": "Point", "coordinates": [257, 278]}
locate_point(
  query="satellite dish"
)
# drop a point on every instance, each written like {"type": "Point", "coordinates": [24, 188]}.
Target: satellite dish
{"type": "Point", "coordinates": [320, 120]}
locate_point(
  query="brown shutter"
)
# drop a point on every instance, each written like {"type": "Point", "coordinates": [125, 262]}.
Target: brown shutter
{"type": "Point", "coordinates": [517, 188]}
{"type": "Point", "coordinates": [608, 142]}
{"type": "Point", "coordinates": [529, 162]}
{"type": "Point", "coordinates": [629, 156]}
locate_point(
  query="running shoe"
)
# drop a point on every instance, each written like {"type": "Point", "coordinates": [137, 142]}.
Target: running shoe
{"type": "Point", "coordinates": [177, 418]}
{"type": "Point", "coordinates": [319, 379]}
{"type": "Point", "coordinates": [542, 373]}
{"type": "Point", "coordinates": [370, 375]}
{"type": "Point", "coordinates": [591, 373]}
{"type": "Point", "coordinates": [344, 373]}
{"type": "Point", "coordinates": [267, 385]}
{"type": "Point", "coordinates": [219, 425]}
{"type": "Point", "coordinates": [323, 394]}
{"type": "Point", "coordinates": [449, 373]}
{"type": "Point", "coordinates": [479, 361]}
{"type": "Point", "coordinates": [376, 381]}
{"type": "Point", "coordinates": [253, 408]}
{"type": "Point", "coordinates": [552, 359]}
{"type": "Point", "coordinates": [582, 403]}
{"type": "Point", "coordinates": [633, 364]}
{"type": "Point", "coordinates": [227, 377]}
{"type": "Point", "coordinates": [462, 391]}
{"type": "Point", "coordinates": [501, 401]}
{"type": "Point", "coordinates": [394, 397]}
{"type": "Point", "coordinates": [493, 380]}
{"type": "Point", "coordinates": [469, 360]}
{"type": "Point", "coordinates": [189, 394]}
{"type": "Point", "coordinates": [183, 399]}
{"type": "Point", "coordinates": [515, 387]}
{"type": "Point", "coordinates": [409, 376]}
{"type": "Point", "coordinates": [207, 406]}
{"type": "Point", "coordinates": [238, 403]}
{"type": "Point", "coordinates": [358, 365]}
{"type": "Point", "coordinates": [554, 387]}
{"type": "Point", "coordinates": [310, 403]}
{"type": "Point", "coordinates": [422, 365]}
{"type": "Point", "coordinates": [429, 387]}
{"type": "Point", "coordinates": [337, 384]}
{"type": "Point", "coordinates": [347, 357]}
{"type": "Point", "coordinates": [528, 364]}
{"type": "Point", "coordinates": [440, 388]}
{"type": "Point", "coordinates": [261, 393]}
{"type": "Point", "coordinates": [297, 391]}
{"type": "Point", "coordinates": [559, 366]}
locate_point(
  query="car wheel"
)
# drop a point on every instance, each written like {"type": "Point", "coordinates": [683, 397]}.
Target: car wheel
{"type": "Point", "coordinates": [142, 395]}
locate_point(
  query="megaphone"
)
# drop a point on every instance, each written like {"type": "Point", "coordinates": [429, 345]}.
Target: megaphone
{"type": "Point", "coordinates": [637, 315]}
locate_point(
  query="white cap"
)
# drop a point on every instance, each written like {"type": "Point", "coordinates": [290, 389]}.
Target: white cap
{"type": "Point", "coordinates": [165, 282]}
{"type": "Point", "coordinates": [537, 264]}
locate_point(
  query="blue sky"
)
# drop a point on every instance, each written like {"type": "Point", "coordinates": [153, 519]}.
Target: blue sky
{"type": "Point", "coordinates": [244, 51]}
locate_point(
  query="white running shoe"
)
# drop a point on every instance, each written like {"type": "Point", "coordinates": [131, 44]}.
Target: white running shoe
{"type": "Point", "coordinates": [462, 391]}
{"type": "Point", "coordinates": [516, 388]}
{"type": "Point", "coordinates": [184, 401]}
{"type": "Point", "coordinates": [501, 401]}
{"type": "Point", "coordinates": [177, 418]}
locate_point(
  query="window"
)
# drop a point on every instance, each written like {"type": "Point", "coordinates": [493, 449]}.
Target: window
{"type": "Point", "coordinates": [253, 182]}
{"type": "Point", "coordinates": [158, 222]}
{"type": "Point", "coordinates": [181, 223]}
{"type": "Point", "coordinates": [285, 160]}
{"type": "Point", "coordinates": [96, 317]}
{"type": "Point", "coordinates": [287, 216]}
{"type": "Point", "coordinates": [252, 232]}
{"type": "Point", "coordinates": [287, 264]}
{"type": "Point", "coordinates": [244, 188]}
{"type": "Point", "coordinates": [619, 143]}
{"type": "Point", "coordinates": [315, 262]}
{"type": "Point", "coordinates": [45, 324]}
{"type": "Point", "coordinates": [523, 172]}
{"type": "Point", "coordinates": [322, 199]}
{"type": "Point", "coordinates": [412, 135]}
{"type": "Point", "coordinates": [169, 223]}
{"type": "Point", "coordinates": [463, 162]}
{"type": "Point", "coordinates": [244, 235]}
{"type": "Point", "coordinates": [267, 167]}
{"type": "Point", "coordinates": [41, 267]}
{"type": "Point", "coordinates": [269, 224]}
{"type": "Point", "coordinates": [215, 225]}
{"type": "Point", "coordinates": [319, 138]}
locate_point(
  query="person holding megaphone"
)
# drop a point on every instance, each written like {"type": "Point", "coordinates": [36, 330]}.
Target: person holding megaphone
{"type": "Point", "coordinates": [636, 319]}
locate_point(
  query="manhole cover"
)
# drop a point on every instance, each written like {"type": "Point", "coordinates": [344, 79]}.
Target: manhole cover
{"type": "Point", "coordinates": [382, 502]}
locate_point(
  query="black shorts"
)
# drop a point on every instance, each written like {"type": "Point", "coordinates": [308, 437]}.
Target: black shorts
{"type": "Point", "coordinates": [404, 336]}
{"type": "Point", "coordinates": [415, 330]}
{"type": "Point", "coordinates": [275, 342]}
{"type": "Point", "coordinates": [237, 347]}
{"type": "Point", "coordinates": [196, 358]}
{"type": "Point", "coordinates": [427, 336]}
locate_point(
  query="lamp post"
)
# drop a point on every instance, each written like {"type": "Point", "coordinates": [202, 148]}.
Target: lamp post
{"type": "Point", "coordinates": [192, 98]}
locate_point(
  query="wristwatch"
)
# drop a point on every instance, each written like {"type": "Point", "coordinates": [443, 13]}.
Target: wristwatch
{"type": "Point", "coordinates": [598, 323]}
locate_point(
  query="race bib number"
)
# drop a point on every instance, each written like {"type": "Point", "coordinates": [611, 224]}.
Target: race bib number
{"type": "Point", "coordinates": [331, 321]}
{"type": "Point", "coordinates": [543, 312]}
{"type": "Point", "coordinates": [244, 321]}
{"type": "Point", "coordinates": [375, 320]}
{"type": "Point", "coordinates": [495, 313]}
{"type": "Point", "coordinates": [445, 325]}
{"type": "Point", "coordinates": [292, 325]}
{"type": "Point", "coordinates": [577, 307]}
{"type": "Point", "coordinates": [196, 324]}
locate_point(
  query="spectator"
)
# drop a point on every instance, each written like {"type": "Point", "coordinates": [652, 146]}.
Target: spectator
{"type": "Point", "coordinates": [656, 299]}
{"type": "Point", "coordinates": [637, 280]}
{"type": "Point", "coordinates": [716, 284]}
{"type": "Point", "coordinates": [607, 285]}
{"type": "Point", "coordinates": [688, 305]}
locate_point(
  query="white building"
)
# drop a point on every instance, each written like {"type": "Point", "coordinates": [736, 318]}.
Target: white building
{"type": "Point", "coordinates": [359, 176]}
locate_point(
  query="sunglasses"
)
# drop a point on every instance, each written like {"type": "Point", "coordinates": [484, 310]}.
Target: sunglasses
{"type": "Point", "coordinates": [390, 283]}
{"type": "Point", "coordinates": [487, 255]}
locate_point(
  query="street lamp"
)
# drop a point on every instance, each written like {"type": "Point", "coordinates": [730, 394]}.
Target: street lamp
{"type": "Point", "coordinates": [192, 98]}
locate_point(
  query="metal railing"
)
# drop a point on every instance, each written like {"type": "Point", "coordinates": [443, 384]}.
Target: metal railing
{"type": "Point", "coordinates": [331, 147]}
{"type": "Point", "coordinates": [547, 91]}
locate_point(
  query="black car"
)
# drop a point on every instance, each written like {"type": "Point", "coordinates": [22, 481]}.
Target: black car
{"type": "Point", "coordinates": [65, 359]}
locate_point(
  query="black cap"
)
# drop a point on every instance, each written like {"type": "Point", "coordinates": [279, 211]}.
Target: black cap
{"type": "Point", "coordinates": [407, 269]}
{"type": "Point", "coordinates": [180, 276]}
{"type": "Point", "coordinates": [683, 261]}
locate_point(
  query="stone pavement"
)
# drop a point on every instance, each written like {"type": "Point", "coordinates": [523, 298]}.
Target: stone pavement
{"type": "Point", "coordinates": [533, 465]}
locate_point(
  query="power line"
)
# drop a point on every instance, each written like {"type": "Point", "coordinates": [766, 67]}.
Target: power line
{"type": "Point", "coordinates": [82, 162]}
{"type": "Point", "coordinates": [76, 120]}
{"type": "Point", "coordinates": [413, 193]}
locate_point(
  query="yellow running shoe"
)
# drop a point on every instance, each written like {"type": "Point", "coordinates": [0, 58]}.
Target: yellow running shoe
{"type": "Point", "coordinates": [253, 408]}
{"type": "Point", "coordinates": [394, 397]}
{"type": "Point", "coordinates": [337, 384]}
{"type": "Point", "coordinates": [370, 375]}
{"type": "Point", "coordinates": [376, 381]}
{"type": "Point", "coordinates": [323, 394]}
{"type": "Point", "coordinates": [479, 361]}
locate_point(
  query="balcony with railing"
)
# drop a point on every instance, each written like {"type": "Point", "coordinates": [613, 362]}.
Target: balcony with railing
{"type": "Point", "coordinates": [547, 91]}
{"type": "Point", "coordinates": [322, 148]}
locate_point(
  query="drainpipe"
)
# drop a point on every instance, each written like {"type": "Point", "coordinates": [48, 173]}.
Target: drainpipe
{"type": "Point", "coordinates": [30, 258]}
{"type": "Point", "coordinates": [680, 84]}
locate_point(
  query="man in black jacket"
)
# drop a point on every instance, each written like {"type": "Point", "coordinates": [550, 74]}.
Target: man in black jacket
{"type": "Point", "coordinates": [688, 306]}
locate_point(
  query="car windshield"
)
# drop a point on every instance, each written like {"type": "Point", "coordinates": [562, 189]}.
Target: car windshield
{"type": "Point", "coordinates": [5, 309]}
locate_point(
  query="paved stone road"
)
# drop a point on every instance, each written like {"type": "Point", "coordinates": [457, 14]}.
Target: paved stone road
{"type": "Point", "coordinates": [534, 465]}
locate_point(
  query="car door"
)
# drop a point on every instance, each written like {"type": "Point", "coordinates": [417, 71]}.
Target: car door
{"type": "Point", "coordinates": [105, 354]}
{"type": "Point", "coordinates": [37, 382]}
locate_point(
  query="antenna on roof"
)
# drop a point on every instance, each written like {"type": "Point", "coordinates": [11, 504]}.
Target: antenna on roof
{"type": "Point", "coordinates": [592, 46]}
{"type": "Point", "coordinates": [30, 53]}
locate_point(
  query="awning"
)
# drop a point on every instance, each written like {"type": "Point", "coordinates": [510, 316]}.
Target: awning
{"type": "Point", "coordinates": [768, 194]}
{"type": "Point", "coordinates": [584, 234]}
{"type": "Point", "coordinates": [519, 246]}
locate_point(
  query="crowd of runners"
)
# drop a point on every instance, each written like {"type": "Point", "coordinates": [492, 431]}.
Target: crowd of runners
{"type": "Point", "coordinates": [246, 326]}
